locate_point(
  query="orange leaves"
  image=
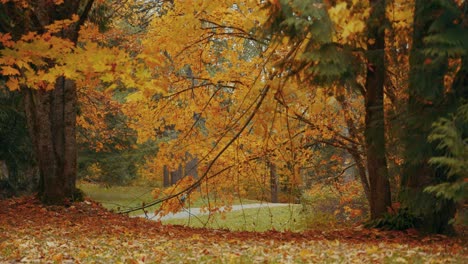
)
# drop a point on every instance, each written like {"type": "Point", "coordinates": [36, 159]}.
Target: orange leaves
{"type": "Point", "coordinates": [156, 193]}
{"type": "Point", "coordinates": [276, 4]}
{"type": "Point", "coordinates": [6, 40]}
{"type": "Point", "coordinates": [61, 24]}
{"type": "Point", "coordinates": [175, 204]}
{"type": "Point", "coordinates": [21, 3]}
{"type": "Point", "coordinates": [13, 84]}
{"type": "Point", "coordinates": [7, 70]}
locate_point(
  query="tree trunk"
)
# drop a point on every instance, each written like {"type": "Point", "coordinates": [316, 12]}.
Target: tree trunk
{"type": "Point", "coordinates": [273, 182]}
{"type": "Point", "coordinates": [191, 167]}
{"type": "Point", "coordinates": [374, 131]}
{"type": "Point", "coordinates": [176, 175]}
{"type": "Point", "coordinates": [362, 175]}
{"type": "Point", "coordinates": [4, 174]}
{"type": "Point", "coordinates": [52, 123]}
{"type": "Point", "coordinates": [166, 182]}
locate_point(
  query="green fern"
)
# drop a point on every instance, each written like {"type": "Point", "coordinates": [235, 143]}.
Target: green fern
{"type": "Point", "coordinates": [451, 138]}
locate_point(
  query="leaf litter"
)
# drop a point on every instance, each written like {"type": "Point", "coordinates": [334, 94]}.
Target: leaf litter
{"type": "Point", "coordinates": [86, 232]}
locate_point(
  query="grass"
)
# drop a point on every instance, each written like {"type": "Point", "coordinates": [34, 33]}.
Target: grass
{"type": "Point", "coordinates": [258, 219]}
{"type": "Point", "coordinates": [118, 198]}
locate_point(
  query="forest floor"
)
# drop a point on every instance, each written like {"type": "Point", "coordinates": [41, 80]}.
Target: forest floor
{"type": "Point", "coordinates": [86, 232]}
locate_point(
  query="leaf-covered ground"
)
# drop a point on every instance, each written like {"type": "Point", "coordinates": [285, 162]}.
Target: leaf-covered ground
{"type": "Point", "coordinates": [85, 232]}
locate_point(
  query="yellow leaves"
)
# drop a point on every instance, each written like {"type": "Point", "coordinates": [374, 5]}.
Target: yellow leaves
{"type": "Point", "coordinates": [400, 14]}
{"type": "Point", "coordinates": [135, 97]}
{"type": "Point", "coordinates": [34, 50]}
{"type": "Point", "coordinates": [372, 250]}
{"type": "Point", "coordinates": [350, 21]}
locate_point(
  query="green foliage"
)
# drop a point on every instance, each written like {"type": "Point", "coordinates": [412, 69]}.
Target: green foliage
{"type": "Point", "coordinates": [447, 37]}
{"type": "Point", "coordinates": [401, 220]}
{"type": "Point", "coordinates": [15, 144]}
{"type": "Point", "coordinates": [307, 24]}
{"type": "Point", "coordinates": [450, 133]}
{"type": "Point", "coordinates": [298, 18]}
{"type": "Point", "coordinates": [429, 100]}
{"type": "Point", "coordinates": [119, 158]}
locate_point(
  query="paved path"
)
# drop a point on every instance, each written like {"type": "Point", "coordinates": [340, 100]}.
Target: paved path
{"type": "Point", "coordinates": [187, 212]}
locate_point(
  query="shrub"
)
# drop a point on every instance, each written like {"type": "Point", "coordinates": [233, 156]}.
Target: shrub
{"type": "Point", "coordinates": [399, 220]}
{"type": "Point", "coordinates": [325, 206]}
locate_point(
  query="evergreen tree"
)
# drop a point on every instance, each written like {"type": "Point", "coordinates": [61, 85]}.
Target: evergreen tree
{"type": "Point", "coordinates": [439, 34]}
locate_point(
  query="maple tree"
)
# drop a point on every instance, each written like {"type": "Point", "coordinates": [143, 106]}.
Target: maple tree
{"type": "Point", "coordinates": [40, 57]}
{"type": "Point", "coordinates": [45, 30]}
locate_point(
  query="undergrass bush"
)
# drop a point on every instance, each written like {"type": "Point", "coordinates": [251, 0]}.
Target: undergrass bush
{"type": "Point", "coordinates": [399, 220]}
{"type": "Point", "coordinates": [318, 208]}
{"type": "Point", "coordinates": [326, 206]}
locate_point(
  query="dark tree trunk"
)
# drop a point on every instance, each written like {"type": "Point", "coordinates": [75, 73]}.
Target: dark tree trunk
{"type": "Point", "coordinates": [191, 167]}
{"type": "Point", "coordinates": [176, 175]}
{"type": "Point", "coordinates": [51, 118]}
{"type": "Point", "coordinates": [51, 115]}
{"type": "Point", "coordinates": [374, 131]}
{"type": "Point", "coordinates": [166, 182]}
{"type": "Point", "coordinates": [4, 174]}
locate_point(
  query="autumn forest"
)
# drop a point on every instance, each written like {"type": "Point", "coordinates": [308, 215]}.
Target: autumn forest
{"type": "Point", "coordinates": [233, 131]}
